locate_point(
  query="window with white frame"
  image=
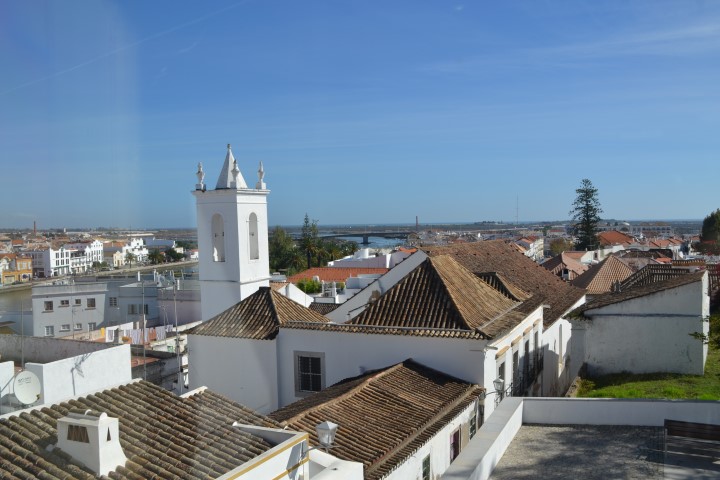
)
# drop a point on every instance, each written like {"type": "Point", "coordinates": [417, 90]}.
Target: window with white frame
{"type": "Point", "coordinates": [92, 326]}
{"type": "Point", "coordinates": [90, 303]}
{"type": "Point", "coordinates": [49, 331]}
{"type": "Point", "coordinates": [78, 302]}
{"type": "Point", "coordinates": [65, 327]}
{"type": "Point", "coordinates": [78, 326]}
{"type": "Point", "coordinates": [112, 301]}
{"type": "Point", "coordinates": [309, 372]}
{"type": "Point", "coordinates": [64, 303]}
{"type": "Point", "coordinates": [426, 468]}
{"type": "Point", "coordinates": [48, 306]}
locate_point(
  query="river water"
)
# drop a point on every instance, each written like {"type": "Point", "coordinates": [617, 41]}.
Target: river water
{"type": "Point", "coordinates": [11, 302]}
{"type": "Point", "coordinates": [376, 242]}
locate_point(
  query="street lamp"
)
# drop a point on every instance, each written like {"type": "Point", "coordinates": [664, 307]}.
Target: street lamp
{"type": "Point", "coordinates": [498, 383]}
{"type": "Point", "coordinates": [326, 434]}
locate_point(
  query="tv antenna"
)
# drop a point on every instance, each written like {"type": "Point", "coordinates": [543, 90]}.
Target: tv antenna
{"type": "Point", "coordinates": [26, 387]}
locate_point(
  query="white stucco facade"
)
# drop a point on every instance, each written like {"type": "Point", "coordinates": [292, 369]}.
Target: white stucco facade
{"type": "Point", "coordinates": [652, 333]}
{"type": "Point", "coordinates": [64, 368]}
{"type": "Point", "coordinates": [232, 240]}
{"type": "Point", "coordinates": [64, 310]}
{"type": "Point", "coordinates": [438, 448]}
{"type": "Point", "coordinates": [241, 369]}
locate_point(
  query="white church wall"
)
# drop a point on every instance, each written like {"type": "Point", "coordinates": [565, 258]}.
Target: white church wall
{"type": "Point", "coordinates": [350, 354]}
{"type": "Point", "coordinates": [242, 369]}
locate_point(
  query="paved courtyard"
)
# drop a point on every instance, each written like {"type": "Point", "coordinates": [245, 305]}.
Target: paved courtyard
{"type": "Point", "coordinates": [583, 451]}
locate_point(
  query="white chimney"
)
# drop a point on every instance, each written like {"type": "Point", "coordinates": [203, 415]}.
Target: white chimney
{"type": "Point", "coordinates": [92, 439]}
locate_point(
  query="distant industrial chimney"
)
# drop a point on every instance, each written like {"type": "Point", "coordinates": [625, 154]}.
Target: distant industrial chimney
{"type": "Point", "coordinates": [92, 439]}
{"type": "Point", "coordinates": [34, 228]}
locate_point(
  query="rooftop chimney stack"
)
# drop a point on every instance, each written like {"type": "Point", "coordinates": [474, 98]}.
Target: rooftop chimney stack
{"type": "Point", "coordinates": [92, 439]}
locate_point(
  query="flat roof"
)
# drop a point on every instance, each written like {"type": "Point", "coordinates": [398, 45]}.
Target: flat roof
{"type": "Point", "coordinates": [583, 451]}
{"type": "Point", "coordinates": [595, 452]}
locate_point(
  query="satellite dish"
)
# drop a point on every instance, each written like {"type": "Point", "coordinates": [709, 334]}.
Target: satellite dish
{"type": "Point", "coordinates": [27, 387]}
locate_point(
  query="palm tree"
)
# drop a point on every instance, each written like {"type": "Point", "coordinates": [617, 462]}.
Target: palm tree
{"type": "Point", "coordinates": [155, 257]}
{"type": "Point", "coordinates": [130, 258]}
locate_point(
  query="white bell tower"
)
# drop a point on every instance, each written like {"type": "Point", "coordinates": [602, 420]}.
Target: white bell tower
{"type": "Point", "coordinates": [232, 234]}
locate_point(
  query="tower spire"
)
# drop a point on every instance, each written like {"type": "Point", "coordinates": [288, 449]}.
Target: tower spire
{"type": "Point", "coordinates": [227, 178]}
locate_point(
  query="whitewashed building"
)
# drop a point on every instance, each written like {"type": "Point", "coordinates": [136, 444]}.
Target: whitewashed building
{"type": "Point", "coordinates": [232, 237]}
{"type": "Point", "coordinates": [48, 262]}
{"type": "Point", "coordinates": [658, 327]}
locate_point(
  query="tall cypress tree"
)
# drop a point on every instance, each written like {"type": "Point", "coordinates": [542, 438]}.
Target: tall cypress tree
{"type": "Point", "coordinates": [586, 215]}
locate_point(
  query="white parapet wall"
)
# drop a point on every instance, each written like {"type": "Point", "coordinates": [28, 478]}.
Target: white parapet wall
{"type": "Point", "coordinates": [487, 447]}
{"type": "Point", "coordinates": [618, 411]}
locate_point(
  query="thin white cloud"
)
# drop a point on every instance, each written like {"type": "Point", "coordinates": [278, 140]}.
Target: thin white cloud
{"type": "Point", "coordinates": [105, 55]}
{"type": "Point", "coordinates": [694, 39]}
{"type": "Point", "coordinates": [698, 39]}
{"type": "Point", "coordinates": [185, 50]}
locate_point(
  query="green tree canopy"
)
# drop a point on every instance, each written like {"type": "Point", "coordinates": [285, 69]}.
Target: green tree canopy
{"type": "Point", "coordinates": [156, 257]}
{"type": "Point", "coordinates": [309, 241]}
{"type": "Point", "coordinates": [711, 227]}
{"type": "Point", "coordinates": [586, 215]}
{"type": "Point", "coordinates": [559, 245]}
{"type": "Point", "coordinates": [174, 255]}
{"type": "Point", "coordinates": [281, 248]}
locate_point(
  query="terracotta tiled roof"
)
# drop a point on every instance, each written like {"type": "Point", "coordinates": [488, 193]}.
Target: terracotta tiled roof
{"type": "Point", "coordinates": [162, 435]}
{"type": "Point", "coordinates": [652, 274]}
{"type": "Point", "coordinates": [384, 416]}
{"type": "Point", "coordinates": [575, 254]}
{"type": "Point", "coordinates": [613, 237]}
{"type": "Point", "coordinates": [502, 285]}
{"type": "Point", "coordinates": [323, 308]}
{"type": "Point", "coordinates": [562, 261]}
{"type": "Point", "coordinates": [441, 294]}
{"type": "Point", "coordinates": [600, 277]}
{"type": "Point", "coordinates": [277, 286]}
{"type": "Point", "coordinates": [637, 292]}
{"type": "Point", "coordinates": [259, 317]}
{"type": "Point", "coordinates": [694, 262]}
{"type": "Point", "coordinates": [497, 256]}
{"type": "Point", "coordinates": [335, 274]}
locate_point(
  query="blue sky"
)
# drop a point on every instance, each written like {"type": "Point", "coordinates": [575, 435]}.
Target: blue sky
{"type": "Point", "coordinates": [362, 112]}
